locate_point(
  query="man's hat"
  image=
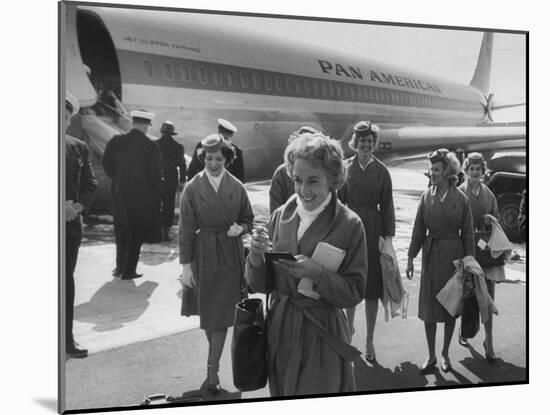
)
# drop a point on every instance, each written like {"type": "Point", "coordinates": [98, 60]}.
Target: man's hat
{"type": "Point", "coordinates": [141, 115]}
{"type": "Point", "coordinates": [168, 128]}
{"type": "Point", "coordinates": [227, 125]}
{"type": "Point", "coordinates": [212, 143]}
{"type": "Point", "coordinates": [72, 103]}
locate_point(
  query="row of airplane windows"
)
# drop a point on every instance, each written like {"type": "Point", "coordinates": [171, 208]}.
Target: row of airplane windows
{"type": "Point", "coordinates": [296, 86]}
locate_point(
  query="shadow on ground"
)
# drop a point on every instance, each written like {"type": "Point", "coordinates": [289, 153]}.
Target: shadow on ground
{"type": "Point", "coordinates": [116, 303]}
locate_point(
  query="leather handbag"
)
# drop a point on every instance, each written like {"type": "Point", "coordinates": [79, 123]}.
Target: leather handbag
{"type": "Point", "coordinates": [249, 346]}
{"type": "Point", "coordinates": [189, 301]}
{"type": "Point", "coordinates": [483, 256]}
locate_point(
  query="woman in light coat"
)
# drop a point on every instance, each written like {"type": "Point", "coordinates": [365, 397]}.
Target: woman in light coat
{"type": "Point", "coordinates": [214, 212]}
{"type": "Point", "coordinates": [443, 230]}
{"type": "Point", "coordinates": [308, 338]}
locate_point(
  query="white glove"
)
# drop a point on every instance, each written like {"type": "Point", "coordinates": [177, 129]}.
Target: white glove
{"type": "Point", "coordinates": [235, 230]}
{"type": "Point", "coordinates": [187, 276]}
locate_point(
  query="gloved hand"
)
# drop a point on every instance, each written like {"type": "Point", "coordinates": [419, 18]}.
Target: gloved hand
{"type": "Point", "coordinates": [235, 230]}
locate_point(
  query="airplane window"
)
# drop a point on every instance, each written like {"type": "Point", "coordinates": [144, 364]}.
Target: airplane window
{"type": "Point", "coordinates": [245, 82]}
{"type": "Point", "coordinates": [147, 68]}
{"type": "Point", "coordinates": [231, 79]}
{"type": "Point", "coordinates": [324, 88]}
{"type": "Point", "coordinates": [217, 77]}
{"type": "Point", "coordinates": [307, 88]}
{"type": "Point", "coordinates": [278, 83]}
{"type": "Point", "coordinates": [339, 91]}
{"type": "Point", "coordinates": [316, 88]}
{"type": "Point", "coordinates": [256, 81]}
{"type": "Point", "coordinates": [203, 75]}
{"type": "Point", "coordinates": [167, 71]}
{"type": "Point", "coordinates": [331, 89]}
{"type": "Point", "coordinates": [289, 85]}
{"type": "Point", "coordinates": [268, 82]}
{"type": "Point", "coordinates": [298, 85]}
{"type": "Point", "coordinates": [185, 73]}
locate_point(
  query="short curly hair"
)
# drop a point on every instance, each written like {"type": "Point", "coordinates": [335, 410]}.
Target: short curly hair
{"type": "Point", "coordinates": [321, 151]}
{"type": "Point", "coordinates": [451, 167]}
{"type": "Point", "coordinates": [228, 152]}
{"type": "Point", "coordinates": [474, 158]}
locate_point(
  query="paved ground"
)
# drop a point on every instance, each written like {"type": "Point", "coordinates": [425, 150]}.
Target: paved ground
{"type": "Point", "coordinates": [139, 345]}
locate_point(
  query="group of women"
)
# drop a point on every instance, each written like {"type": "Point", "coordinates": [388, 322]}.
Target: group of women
{"type": "Point", "coordinates": [347, 205]}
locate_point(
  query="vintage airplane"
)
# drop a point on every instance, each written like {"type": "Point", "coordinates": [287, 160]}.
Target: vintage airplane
{"type": "Point", "coordinates": [190, 69]}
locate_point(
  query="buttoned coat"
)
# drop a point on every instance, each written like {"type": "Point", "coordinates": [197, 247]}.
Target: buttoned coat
{"type": "Point", "coordinates": [133, 163]}
{"type": "Point", "coordinates": [369, 194]}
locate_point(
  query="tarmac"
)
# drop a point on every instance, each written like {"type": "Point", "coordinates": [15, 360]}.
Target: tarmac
{"type": "Point", "coordinates": [140, 345]}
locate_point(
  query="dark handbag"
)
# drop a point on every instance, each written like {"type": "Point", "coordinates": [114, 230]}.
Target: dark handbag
{"type": "Point", "coordinates": [483, 256]}
{"type": "Point", "coordinates": [249, 346]}
{"type": "Point", "coordinates": [189, 301]}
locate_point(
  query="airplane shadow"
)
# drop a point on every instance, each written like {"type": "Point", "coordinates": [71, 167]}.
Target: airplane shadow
{"type": "Point", "coordinates": [154, 258]}
{"type": "Point", "coordinates": [376, 377]}
{"type": "Point", "coordinates": [116, 303]}
{"type": "Point", "coordinates": [497, 372]}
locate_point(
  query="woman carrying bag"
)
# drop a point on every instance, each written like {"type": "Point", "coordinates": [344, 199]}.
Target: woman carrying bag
{"type": "Point", "coordinates": [308, 336]}
{"type": "Point", "coordinates": [482, 202]}
{"type": "Point", "coordinates": [443, 230]}
{"type": "Point", "coordinates": [214, 212]}
{"type": "Point", "coordinates": [368, 192]}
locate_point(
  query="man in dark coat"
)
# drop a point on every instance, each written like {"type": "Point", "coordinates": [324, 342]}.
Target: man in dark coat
{"type": "Point", "coordinates": [174, 168]}
{"type": "Point", "coordinates": [236, 168]}
{"type": "Point", "coordinates": [80, 188]}
{"type": "Point", "coordinates": [133, 163]}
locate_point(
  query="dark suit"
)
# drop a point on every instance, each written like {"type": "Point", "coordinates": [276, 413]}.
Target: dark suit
{"type": "Point", "coordinates": [174, 168]}
{"type": "Point", "coordinates": [80, 187]}
{"type": "Point", "coordinates": [236, 168]}
{"type": "Point", "coordinates": [133, 163]}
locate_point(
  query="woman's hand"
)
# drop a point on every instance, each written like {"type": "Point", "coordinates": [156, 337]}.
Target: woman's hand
{"type": "Point", "coordinates": [235, 230]}
{"type": "Point", "coordinates": [259, 245]}
{"type": "Point", "coordinates": [187, 276]}
{"type": "Point", "coordinates": [303, 267]}
{"type": "Point", "coordinates": [410, 269]}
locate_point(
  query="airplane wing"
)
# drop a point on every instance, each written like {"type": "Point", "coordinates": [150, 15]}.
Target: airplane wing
{"type": "Point", "coordinates": [415, 142]}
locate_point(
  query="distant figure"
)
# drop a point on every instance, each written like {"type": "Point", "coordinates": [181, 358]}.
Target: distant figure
{"type": "Point", "coordinates": [368, 192]}
{"type": "Point", "coordinates": [522, 218]}
{"type": "Point", "coordinates": [236, 168]}
{"type": "Point", "coordinates": [443, 229]}
{"type": "Point", "coordinates": [214, 212]}
{"type": "Point", "coordinates": [133, 162]}
{"type": "Point", "coordinates": [174, 169]}
{"type": "Point", "coordinates": [80, 188]}
{"type": "Point", "coordinates": [282, 185]}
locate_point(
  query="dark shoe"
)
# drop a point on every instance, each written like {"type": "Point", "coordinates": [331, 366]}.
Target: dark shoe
{"type": "Point", "coordinates": [428, 366]}
{"type": "Point", "coordinates": [490, 359]}
{"type": "Point", "coordinates": [75, 352]}
{"type": "Point", "coordinates": [130, 276]}
{"type": "Point", "coordinates": [446, 365]}
{"type": "Point", "coordinates": [211, 388]}
{"type": "Point", "coordinates": [116, 272]}
{"type": "Point", "coordinates": [462, 341]}
{"type": "Point", "coordinates": [370, 356]}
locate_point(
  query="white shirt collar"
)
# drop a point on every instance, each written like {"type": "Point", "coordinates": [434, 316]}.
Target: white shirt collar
{"type": "Point", "coordinates": [307, 217]}
{"type": "Point", "coordinates": [441, 198]}
{"type": "Point", "coordinates": [371, 159]}
{"type": "Point", "coordinates": [215, 181]}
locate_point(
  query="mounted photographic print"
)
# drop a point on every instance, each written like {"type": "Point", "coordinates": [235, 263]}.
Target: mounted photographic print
{"type": "Point", "coordinates": [260, 207]}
